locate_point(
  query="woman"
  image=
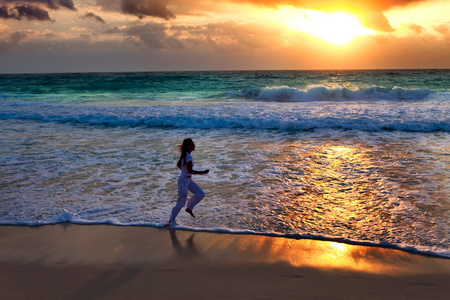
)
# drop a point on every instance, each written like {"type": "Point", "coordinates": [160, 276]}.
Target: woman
{"type": "Point", "coordinates": [185, 182]}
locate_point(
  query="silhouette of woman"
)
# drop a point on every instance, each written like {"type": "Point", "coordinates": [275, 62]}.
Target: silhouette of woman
{"type": "Point", "coordinates": [185, 182]}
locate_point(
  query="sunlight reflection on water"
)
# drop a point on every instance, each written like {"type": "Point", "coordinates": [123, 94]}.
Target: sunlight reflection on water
{"type": "Point", "coordinates": [379, 192]}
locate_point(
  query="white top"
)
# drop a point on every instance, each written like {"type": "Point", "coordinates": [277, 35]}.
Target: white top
{"type": "Point", "coordinates": [184, 169]}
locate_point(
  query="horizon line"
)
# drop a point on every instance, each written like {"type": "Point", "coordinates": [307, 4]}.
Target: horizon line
{"type": "Point", "coordinates": [225, 70]}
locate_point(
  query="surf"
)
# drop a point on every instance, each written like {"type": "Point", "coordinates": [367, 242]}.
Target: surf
{"type": "Point", "coordinates": [284, 117]}
{"type": "Point", "coordinates": [323, 93]}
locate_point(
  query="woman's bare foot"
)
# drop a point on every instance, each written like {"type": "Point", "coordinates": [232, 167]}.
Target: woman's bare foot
{"type": "Point", "coordinates": [170, 224]}
{"type": "Point", "coordinates": [190, 212]}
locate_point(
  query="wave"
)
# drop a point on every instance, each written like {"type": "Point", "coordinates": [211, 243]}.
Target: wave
{"type": "Point", "coordinates": [207, 119]}
{"type": "Point", "coordinates": [321, 93]}
{"type": "Point", "coordinates": [405, 111]}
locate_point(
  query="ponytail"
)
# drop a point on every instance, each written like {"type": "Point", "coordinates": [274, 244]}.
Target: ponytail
{"type": "Point", "coordinates": [183, 150]}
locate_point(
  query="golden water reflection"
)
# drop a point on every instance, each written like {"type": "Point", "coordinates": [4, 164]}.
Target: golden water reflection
{"type": "Point", "coordinates": [363, 192]}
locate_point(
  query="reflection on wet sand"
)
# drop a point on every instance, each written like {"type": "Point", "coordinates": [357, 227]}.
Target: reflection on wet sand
{"type": "Point", "coordinates": [116, 245]}
{"type": "Point", "coordinates": [229, 249]}
{"type": "Point", "coordinates": [187, 251]}
{"type": "Point", "coordinates": [333, 255]}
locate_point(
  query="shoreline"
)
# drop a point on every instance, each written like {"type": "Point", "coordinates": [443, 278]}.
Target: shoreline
{"type": "Point", "coordinates": [69, 261]}
{"type": "Point", "coordinates": [294, 236]}
{"type": "Point", "coordinates": [383, 245]}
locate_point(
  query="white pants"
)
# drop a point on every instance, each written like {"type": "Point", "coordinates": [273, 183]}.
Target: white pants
{"type": "Point", "coordinates": [186, 184]}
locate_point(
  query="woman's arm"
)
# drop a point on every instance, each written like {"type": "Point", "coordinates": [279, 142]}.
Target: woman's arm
{"type": "Point", "coordinates": [192, 171]}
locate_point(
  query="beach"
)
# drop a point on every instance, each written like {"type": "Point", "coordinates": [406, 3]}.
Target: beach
{"type": "Point", "coordinates": [322, 185]}
{"type": "Point", "coordinates": [352, 156]}
{"type": "Point", "coordinates": [69, 261]}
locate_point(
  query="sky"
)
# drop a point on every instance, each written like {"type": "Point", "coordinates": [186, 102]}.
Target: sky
{"type": "Point", "coordinates": [47, 36]}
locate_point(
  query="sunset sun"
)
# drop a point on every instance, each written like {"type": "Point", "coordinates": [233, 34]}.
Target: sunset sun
{"type": "Point", "coordinates": [338, 28]}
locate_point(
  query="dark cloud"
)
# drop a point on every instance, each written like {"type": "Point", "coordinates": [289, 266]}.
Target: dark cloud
{"type": "Point", "coordinates": [50, 4]}
{"type": "Point", "coordinates": [19, 12]}
{"type": "Point", "coordinates": [67, 4]}
{"type": "Point", "coordinates": [143, 8]}
{"type": "Point", "coordinates": [94, 17]}
{"type": "Point", "coordinates": [32, 9]}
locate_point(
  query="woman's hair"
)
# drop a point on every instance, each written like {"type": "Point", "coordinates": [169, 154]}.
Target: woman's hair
{"type": "Point", "coordinates": [183, 149]}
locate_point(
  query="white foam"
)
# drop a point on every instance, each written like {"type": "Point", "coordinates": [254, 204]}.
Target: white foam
{"type": "Point", "coordinates": [322, 93]}
{"type": "Point", "coordinates": [66, 216]}
{"type": "Point", "coordinates": [372, 116]}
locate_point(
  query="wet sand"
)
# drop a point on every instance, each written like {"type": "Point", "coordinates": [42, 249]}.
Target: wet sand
{"type": "Point", "coordinates": [68, 261]}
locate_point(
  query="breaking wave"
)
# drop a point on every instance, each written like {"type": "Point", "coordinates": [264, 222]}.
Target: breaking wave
{"type": "Point", "coordinates": [245, 116]}
{"type": "Point", "coordinates": [321, 93]}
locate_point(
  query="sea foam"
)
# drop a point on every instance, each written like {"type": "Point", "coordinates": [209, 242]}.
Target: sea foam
{"type": "Point", "coordinates": [321, 93]}
{"type": "Point", "coordinates": [421, 117]}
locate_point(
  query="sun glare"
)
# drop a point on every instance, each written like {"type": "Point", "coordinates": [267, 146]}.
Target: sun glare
{"type": "Point", "coordinates": [338, 28]}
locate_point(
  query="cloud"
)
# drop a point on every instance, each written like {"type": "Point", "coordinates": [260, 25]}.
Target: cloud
{"type": "Point", "coordinates": [154, 35]}
{"type": "Point", "coordinates": [50, 4]}
{"type": "Point", "coordinates": [32, 9]}
{"type": "Point", "coordinates": [143, 8]}
{"type": "Point", "coordinates": [416, 28]}
{"type": "Point", "coordinates": [19, 12]}
{"type": "Point", "coordinates": [371, 10]}
{"type": "Point", "coordinates": [381, 4]}
{"type": "Point", "coordinates": [114, 30]}
{"type": "Point", "coordinates": [17, 36]}
{"type": "Point", "coordinates": [13, 40]}
{"type": "Point", "coordinates": [4, 28]}
{"type": "Point", "coordinates": [224, 37]}
{"type": "Point", "coordinates": [66, 3]}
{"type": "Point", "coordinates": [443, 28]}
{"type": "Point", "coordinates": [228, 37]}
{"type": "Point", "coordinates": [93, 16]}
{"type": "Point", "coordinates": [141, 50]}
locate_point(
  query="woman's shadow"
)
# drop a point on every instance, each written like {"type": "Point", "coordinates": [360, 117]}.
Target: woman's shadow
{"type": "Point", "coordinates": [107, 281]}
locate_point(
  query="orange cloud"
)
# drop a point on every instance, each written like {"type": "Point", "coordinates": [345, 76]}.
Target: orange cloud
{"type": "Point", "coordinates": [443, 28]}
{"type": "Point", "coordinates": [371, 11]}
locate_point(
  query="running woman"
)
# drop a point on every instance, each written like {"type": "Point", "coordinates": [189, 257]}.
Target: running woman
{"type": "Point", "coordinates": [185, 182]}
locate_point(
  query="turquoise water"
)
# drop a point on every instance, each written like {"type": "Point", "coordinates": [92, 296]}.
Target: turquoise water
{"type": "Point", "coordinates": [356, 156]}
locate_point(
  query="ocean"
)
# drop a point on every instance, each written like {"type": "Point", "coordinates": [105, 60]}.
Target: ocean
{"type": "Point", "coordinates": [354, 156]}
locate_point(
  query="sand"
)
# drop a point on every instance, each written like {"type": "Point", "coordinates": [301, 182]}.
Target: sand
{"type": "Point", "coordinates": [68, 261]}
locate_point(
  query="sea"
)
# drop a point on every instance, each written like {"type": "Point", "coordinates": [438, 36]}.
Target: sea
{"type": "Point", "coordinates": [353, 156]}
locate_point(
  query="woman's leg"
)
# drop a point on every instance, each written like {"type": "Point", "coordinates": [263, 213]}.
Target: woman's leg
{"type": "Point", "coordinates": [197, 196]}
{"type": "Point", "coordinates": [183, 187]}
